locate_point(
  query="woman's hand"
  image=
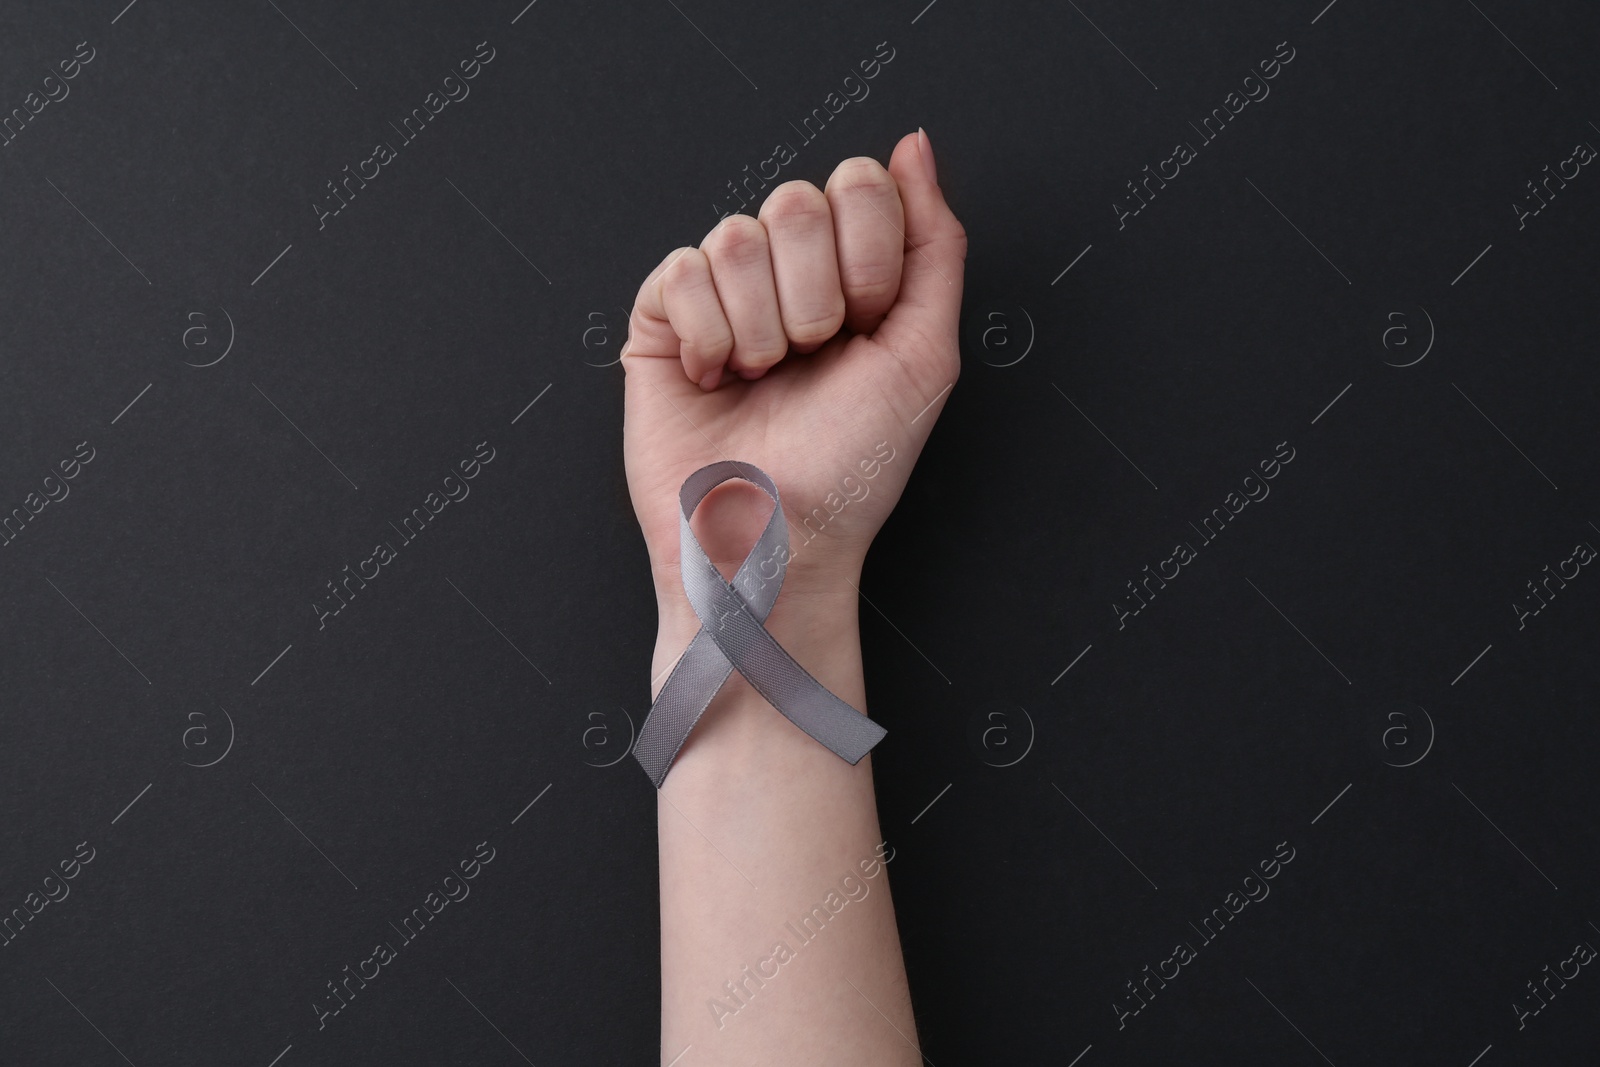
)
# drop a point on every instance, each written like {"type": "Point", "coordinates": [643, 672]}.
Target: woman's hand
{"type": "Point", "coordinates": [817, 342]}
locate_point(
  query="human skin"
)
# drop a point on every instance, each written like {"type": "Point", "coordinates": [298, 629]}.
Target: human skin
{"type": "Point", "coordinates": [797, 341]}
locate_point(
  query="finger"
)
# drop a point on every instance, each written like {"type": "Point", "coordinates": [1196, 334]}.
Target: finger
{"type": "Point", "coordinates": [678, 314]}
{"type": "Point", "coordinates": [805, 264]}
{"type": "Point", "coordinates": [649, 332]}
{"type": "Point", "coordinates": [741, 265]}
{"type": "Point", "coordinates": [868, 226]}
{"type": "Point", "coordinates": [926, 316]}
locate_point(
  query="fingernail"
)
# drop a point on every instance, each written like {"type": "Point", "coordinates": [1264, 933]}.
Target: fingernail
{"type": "Point", "coordinates": [925, 150]}
{"type": "Point", "coordinates": [713, 376]}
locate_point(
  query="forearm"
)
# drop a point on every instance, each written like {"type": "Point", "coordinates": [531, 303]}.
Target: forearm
{"type": "Point", "coordinates": [768, 839]}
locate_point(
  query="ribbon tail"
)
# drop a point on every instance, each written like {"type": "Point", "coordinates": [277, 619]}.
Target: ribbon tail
{"type": "Point", "coordinates": [695, 679]}
{"type": "Point", "coordinates": [786, 685]}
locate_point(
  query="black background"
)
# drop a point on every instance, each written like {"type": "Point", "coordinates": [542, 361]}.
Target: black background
{"type": "Point", "coordinates": [1328, 634]}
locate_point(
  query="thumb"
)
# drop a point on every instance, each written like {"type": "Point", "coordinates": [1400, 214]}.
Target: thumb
{"type": "Point", "coordinates": [928, 311]}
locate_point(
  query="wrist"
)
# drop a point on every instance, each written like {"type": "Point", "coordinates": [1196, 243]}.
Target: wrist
{"type": "Point", "coordinates": [741, 740]}
{"type": "Point", "coordinates": [815, 619]}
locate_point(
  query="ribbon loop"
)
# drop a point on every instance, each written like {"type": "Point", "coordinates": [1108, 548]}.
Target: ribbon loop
{"type": "Point", "coordinates": [732, 636]}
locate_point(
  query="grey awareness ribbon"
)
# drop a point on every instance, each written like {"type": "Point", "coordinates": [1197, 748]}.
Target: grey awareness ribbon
{"type": "Point", "coordinates": [732, 637]}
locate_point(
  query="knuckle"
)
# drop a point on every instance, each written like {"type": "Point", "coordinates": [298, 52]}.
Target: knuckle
{"type": "Point", "coordinates": [737, 239]}
{"type": "Point", "coordinates": [760, 345]}
{"type": "Point", "coordinates": [958, 240]}
{"type": "Point", "coordinates": [685, 266]}
{"type": "Point", "coordinates": [863, 173]}
{"type": "Point", "coordinates": [795, 205]}
{"type": "Point", "coordinates": [765, 341]}
{"type": "Point", "coordinates": [706, 348]}
{"type": "Point", "coordinates": [870, 277]}
{"type": "Point", "coordinates": [814, 324]}
{"type": "Point", "coordinates": [636, 325]}
{"type": "Point", "coordinates": [675, 256]}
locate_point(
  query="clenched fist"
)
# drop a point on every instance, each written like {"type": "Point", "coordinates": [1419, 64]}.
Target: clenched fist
{"type": "Point", "coordinates": [811, 341]}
